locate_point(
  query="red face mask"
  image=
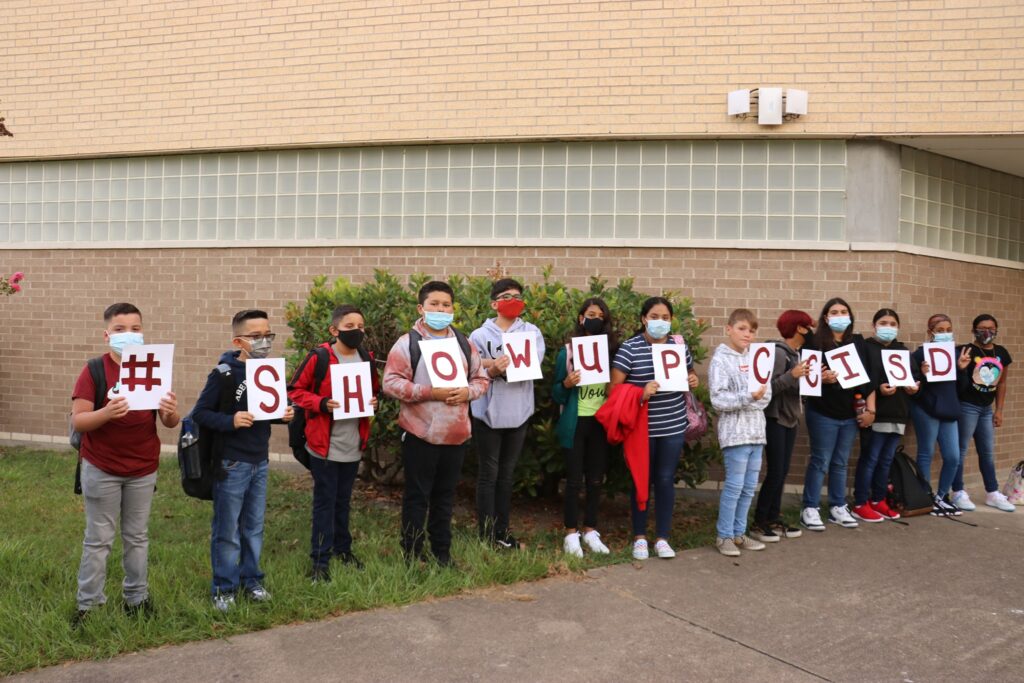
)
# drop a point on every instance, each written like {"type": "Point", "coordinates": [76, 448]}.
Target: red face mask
{"type": "Point", "coordinates": [510, 308]}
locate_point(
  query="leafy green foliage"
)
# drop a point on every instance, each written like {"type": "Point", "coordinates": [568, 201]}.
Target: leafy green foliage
{"type": "Point", "coordinates": [389, 308]}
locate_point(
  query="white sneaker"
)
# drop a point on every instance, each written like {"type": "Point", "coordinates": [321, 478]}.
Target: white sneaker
{"type": "Point", "coordinates": [571, 545]}
{"type": "Point", "coordinates": [223, 602]}
{"type": "Point", "coordinates": [963, 501]}
{"type": "Point", "coordinates": [811, 519]}
{"type": "Point", "coordinates": [840, 514]}
{"type": "Point", "coordinates": [997, 500]}
{"type": "Point", "coordinates": [640, 549]}
{"type": "Point", "coordinates": [664, 550]}
{"type": "Point", "coordinates": [593, 540]}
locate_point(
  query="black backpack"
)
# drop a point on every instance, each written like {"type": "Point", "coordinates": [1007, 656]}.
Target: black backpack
{"type": "Point", "coordinates": [99, 380]}
{"type": "Point", "coordinates": [297, 427]}
{"type": "Point", "coordinates": [909, 493]}
{"type": "Point", "coordinates": [199, 447]}
{"type": "Point", "coordinates": [415, 353]}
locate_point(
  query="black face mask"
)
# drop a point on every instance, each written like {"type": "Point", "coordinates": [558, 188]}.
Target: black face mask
{"type": "Point", "coordinates": [353, 339]}
{"type": "Point", "coordinates": [593, 325]}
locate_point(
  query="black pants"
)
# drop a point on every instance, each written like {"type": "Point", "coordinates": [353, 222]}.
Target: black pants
{"type": "Point", "coordinates": [497, 454]}
{"type": "Point", "coordinates": [431, 474]}
{"type": "Point", "coordinates": [778, 452]}
{"type": "Point", "coordinates": [586, 461]}
{"type": "Point", "coordinates": [332, 497]}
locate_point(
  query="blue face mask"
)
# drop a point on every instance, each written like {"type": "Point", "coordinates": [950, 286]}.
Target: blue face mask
{"type": "Point", "coordinates": [658, 329]}
{"type": "Point", "coordinates": [942, 336]}
{"type": "Point", "coordinates": [119, 340]}
{"type": "Point", "coordinates": [437, 320]}
{"type": "Point", "coordinates": [839, 323]}
{"type": "Point", "coordinates": [886, 334]}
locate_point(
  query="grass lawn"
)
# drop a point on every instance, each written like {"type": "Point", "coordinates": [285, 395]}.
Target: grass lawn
{"type": "Point", "coordinates": [42, 521]}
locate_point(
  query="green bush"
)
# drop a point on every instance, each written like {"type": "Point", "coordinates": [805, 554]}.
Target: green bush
{"type": "Point", "coordinates": [389, 307]}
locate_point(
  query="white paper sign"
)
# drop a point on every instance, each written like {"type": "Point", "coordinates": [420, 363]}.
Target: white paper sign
{"type": "Point", "coordinates": [590, 357]}
{"type": "Point", "coordinates": [265, 388]}
{"type": "Point", "coordinates": [352, 387]}
{"type": "Point", "coordinates": [670, 367]}
{"type": "Point", "coordinates": [810, 384]}
{"type": "Point", "coordinates": [897, 368]}
{"type": "Point", "coordinates": [145, 375]}
{"type": "Point", "coordinates": [845, 362]}
{"type": "Point", "coordinates": [521, 349]}
{"type": "Point", "coordinates": [443, 360]}
{"type": "Point", "coordinates": [762, 365]}
{"type": "Point", "coordinates": [941, 360]}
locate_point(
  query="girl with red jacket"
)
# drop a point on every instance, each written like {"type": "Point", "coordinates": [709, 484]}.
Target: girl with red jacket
{"type": "Point", "coordinates": [335, 446]}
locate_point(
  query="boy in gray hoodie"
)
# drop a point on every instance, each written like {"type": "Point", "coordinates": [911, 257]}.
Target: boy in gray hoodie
{"type": "Point", "coordinates": [501, 416]}
{"type": "Point", "coordinates": [740, 430]}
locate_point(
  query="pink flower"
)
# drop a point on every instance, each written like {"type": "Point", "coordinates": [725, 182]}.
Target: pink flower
{"type": "Point", "coordinates": [17, 277]}
{"type": "Point", "coordinates": [15, 286]}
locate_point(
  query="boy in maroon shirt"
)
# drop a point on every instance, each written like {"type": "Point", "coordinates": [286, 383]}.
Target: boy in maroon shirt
{"type": "Point", "coordinates": [120, 454]}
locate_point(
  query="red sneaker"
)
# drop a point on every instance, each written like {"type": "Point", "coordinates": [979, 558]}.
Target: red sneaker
{"type": "Point", "coordinates": [882, 508]}
{"type": "Point", "coordinates": [866, 514]}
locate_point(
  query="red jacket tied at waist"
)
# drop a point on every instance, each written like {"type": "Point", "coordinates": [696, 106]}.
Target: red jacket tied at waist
{"type": "Point", "coordinates": [624, 419]}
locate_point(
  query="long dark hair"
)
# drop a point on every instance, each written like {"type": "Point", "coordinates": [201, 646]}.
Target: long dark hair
{"type": "Point", "coordinates": [606, 315]}
{"type": "Point", "coordinates": [823, 338]}
{"type": "Point", "coordinates": [648, 305]}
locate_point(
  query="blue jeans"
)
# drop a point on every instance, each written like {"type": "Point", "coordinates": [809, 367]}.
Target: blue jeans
{"type": "Point", "coordinates": [332, 497]}
{"type": "Point", "coordinates": [831, 441]}
{"type": "Point", "coordinates": [929, 430]}
{"type": "Point", "coordinates": [872, 478]}
{"type": "Point", "coordinates": [664, 452]}
{"type": "Point", "coordinates": [742, 465]}
{"type": "Point", "coordinates": [976, 421]}
{"type": "Point", "coordinates": [236, 533]}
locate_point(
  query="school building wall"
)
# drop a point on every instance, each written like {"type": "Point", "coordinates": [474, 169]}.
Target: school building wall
{"type": "Point", "coordinates": [118, 77]}
{"type": "Point", "coordinates": [188, 295]}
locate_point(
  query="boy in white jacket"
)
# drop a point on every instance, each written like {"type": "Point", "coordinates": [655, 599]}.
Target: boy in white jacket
{"type": "Point", "coordinates": [740, 430]}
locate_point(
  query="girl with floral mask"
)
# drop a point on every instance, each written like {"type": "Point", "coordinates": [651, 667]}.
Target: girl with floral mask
{"type": "Point", "coordinates": [984, 385]}
{"type": "Point", "coordinates": [832, 420]}
{"type": "Point", "coordinates": [666, 420]}
{"type": "Point", "coordinates": [936, 413]}
{"type": "Point", "coordinates": [878, 443]}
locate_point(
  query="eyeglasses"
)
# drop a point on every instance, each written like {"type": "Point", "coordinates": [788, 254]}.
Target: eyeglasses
{"type": "Point", "coordinates": [509, 297]}
{"type": "Point", "coordinates": [257, 337]}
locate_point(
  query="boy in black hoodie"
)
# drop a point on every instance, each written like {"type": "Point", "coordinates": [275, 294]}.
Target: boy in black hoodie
{"type": "Point", "coordinates": [240, 493]}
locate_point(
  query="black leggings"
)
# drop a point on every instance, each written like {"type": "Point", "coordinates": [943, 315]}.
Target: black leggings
{"type": "Point", "coordinates": [778, 452]}
{"type": "Point", "coordinates": [589, 454]}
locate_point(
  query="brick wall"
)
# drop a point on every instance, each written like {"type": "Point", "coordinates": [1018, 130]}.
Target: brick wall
{"type": "Point", "coordinates": [188, 297]}
{"type": "Point", "coordinates": [121, 76]}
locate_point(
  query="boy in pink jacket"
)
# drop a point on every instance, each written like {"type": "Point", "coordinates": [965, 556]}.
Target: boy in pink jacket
{"type": "Point", "coordinates": [435, 424]}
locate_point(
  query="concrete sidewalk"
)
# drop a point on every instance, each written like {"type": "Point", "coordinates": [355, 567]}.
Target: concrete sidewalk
{"type": "Point", "coordinates": [935, 600]}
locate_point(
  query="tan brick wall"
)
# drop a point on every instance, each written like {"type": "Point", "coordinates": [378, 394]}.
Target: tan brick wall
{"type": "Point", "coordinates": [122, 76]}
{"type": "Point", "coordinates": [188, 297]}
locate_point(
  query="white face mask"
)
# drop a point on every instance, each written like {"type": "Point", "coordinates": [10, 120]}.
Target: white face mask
{"type": "Point", "coordinates": [259, 348]}
{"type": "Point", "coordinates": [119, 340]}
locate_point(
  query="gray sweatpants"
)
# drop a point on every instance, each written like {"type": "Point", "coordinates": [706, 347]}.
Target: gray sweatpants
{"type": "Point", "coordinates": [107, 496]}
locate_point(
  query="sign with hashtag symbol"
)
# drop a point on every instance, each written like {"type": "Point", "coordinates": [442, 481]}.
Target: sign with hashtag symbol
{"type": "Point", "coordinates": [146, 373]}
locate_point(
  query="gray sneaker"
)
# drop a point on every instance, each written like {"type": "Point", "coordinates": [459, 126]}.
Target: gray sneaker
{"type": "Point", "coordinates": [223, 602]}
{"type": "Point", "coordinates": [747, 543]}
{"type": "Point", "coordinates": [727, 547]}
{"type": "Point", "coordinates": [257, 593]}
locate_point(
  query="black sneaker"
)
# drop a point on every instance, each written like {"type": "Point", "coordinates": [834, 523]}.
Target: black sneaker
{"type": "Point", "coordinates": [507, 542]}
{"type": "Point", "coordinates": [78, 619]}
{"type": "Point", "coordinates": [785, 530]}
{"type": "Point", "coordinates": [445, 561]}
{"type": "Point", "coordinates": [320, 574]}
{"type": "Point", "coordinates": [764, 533]}
{"type": "Point", "coordinates": [351, 560]}
{"type": "Point", "coordinates": [144, 608]}
{"type": "Point", "coordinates": [953, 510]}
{"type": "Point", "coordinates": [939, 508]}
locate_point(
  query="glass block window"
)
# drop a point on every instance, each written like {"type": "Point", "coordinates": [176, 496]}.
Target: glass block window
{"type": "Point", "coordinates": [956, 206]}
{"type": "Point", "coordinates": [676, 190]}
